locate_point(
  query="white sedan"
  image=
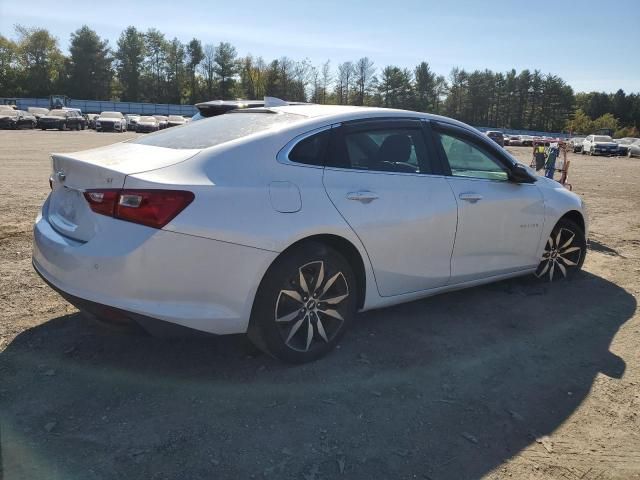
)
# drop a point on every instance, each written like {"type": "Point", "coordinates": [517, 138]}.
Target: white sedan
{"type": "Point", "coordinates": [285, 221]}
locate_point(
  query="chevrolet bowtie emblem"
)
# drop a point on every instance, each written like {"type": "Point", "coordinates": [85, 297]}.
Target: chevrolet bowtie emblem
{"type": "Point", "coordinates": [61, 176]}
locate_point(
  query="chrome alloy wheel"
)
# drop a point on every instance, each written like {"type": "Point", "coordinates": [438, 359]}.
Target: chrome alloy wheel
{"type": "Point", "coordinates": [311, 311]}
{"type": "Point", "coordinates": [562, 252]}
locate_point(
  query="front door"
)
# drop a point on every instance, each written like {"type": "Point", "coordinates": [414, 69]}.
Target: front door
{"type": "Point", "coordinates": [383, 180]}
{"type": "Point", "coordinates": [499, 222]}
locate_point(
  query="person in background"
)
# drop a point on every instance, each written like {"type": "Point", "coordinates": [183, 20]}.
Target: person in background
{"type": "Point", "coordinates": [538, 153]}
{"type": "Point", "coordinates": [550, 166]}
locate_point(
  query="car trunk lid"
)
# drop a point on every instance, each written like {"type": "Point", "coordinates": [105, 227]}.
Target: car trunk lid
{"type": "Point", "coordinates": [100, 168]}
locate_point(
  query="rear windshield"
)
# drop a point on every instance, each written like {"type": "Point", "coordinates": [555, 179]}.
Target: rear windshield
{"type": "Point", "coordinates": [58, 113]}
{"type": "Point", "coordinates": [175, 117]}
{"type": "Point", "coordinates": [111, 115]}
{"type": "Point", "coordinates": [216, 130]}
{"type": "Point", "coordinates": [602, 138]}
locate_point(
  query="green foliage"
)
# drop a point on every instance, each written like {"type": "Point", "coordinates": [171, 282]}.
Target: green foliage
{"type": "Point", "coordinates": [9, 68]}
{"type": "Point", "coordinates": [129, 59]}
{"type": "Point", "coordinates": [41, 63]}
{"type": "Point", "coordinates": [89, 69]}
{"type": "Point", "coordinates": [580, 124]}
{"type": "Point", "coordinates": [627, 132]}
{"type": "Point", "coordinates": [225, 67]}
{"type": "Point", "coordinates": [607, 121]}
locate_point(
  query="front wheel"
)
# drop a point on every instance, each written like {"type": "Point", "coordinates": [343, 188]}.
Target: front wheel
{"type": "Point", "coordinates": [564, 252]}
{"type": "Point", "coordinates": [304, 304]}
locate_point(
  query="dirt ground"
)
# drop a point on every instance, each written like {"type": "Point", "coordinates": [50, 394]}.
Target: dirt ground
{"type": "Point", "coordinates": [512, 380]}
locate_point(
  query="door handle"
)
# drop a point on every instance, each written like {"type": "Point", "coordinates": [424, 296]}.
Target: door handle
{"type": "Point", "coordinates": [363, 196]}
{"type": "Point", "coordinates": [471, 197]}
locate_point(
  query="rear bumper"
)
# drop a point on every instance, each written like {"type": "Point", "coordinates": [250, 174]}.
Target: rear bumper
{"type": "Point", "coordinates": [131, 271]}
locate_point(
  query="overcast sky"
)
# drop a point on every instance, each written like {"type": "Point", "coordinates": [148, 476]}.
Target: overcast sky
{"type": "Point", "coordinates": [593, 46]}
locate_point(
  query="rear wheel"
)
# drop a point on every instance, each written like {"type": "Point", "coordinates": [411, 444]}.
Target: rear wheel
{"type": "Point", "coordinates": [564, 252]}
{"type": "Point", "coordinates": [304, 304]}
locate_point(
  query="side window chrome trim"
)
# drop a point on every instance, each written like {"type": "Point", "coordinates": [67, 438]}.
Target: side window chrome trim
{"type": "Point", "coordinates": [382, 172]}
{"type": "Point", "coordinates": [283, 154]}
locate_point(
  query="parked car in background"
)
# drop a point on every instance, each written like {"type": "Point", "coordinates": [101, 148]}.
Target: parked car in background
{"type": "Point", "coordinates": [15, 119]}
{"type": "Point", "coordinates": [147, 124]}
{"type": "Point", "coordinates": [527, 140]}
{"type": "Point", "coordinates": [111, 122]}
{"type": "Point", "coordinates": [91, 120]}
{"type": "Point", "coordinates": [162, 121]}
{"type": "Point", "coordinates": [62, 119]}
{"type": "Point", "coordinates": [599, 145]}
{"type": "Point", "coordinates": [507, 140]}
{"type": "Point", "coordinates": [633, 149]}
{"type": "Point", "coordinates": [496, 136]}
{"type": "Point", "coordinates": [176, 120]}
{"type": "Point", "coordinates": [623, 145]}
{"type": "Point", "coordinates": [515, 140]}
{"type": "Point", "coordinates": [132, 121]}
{"type": "Point", "coordinates": [37, 112]}
{"type": "Point", "coordinates": [575, 144]}
{"type": "Point", "coordinates": [297, 240]}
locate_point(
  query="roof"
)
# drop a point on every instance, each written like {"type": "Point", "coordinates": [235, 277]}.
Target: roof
{"type": "Point", "coordinates": [322, 114]}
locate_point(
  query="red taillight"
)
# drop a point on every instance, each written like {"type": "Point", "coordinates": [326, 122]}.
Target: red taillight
{"type": "Point", "coordinates": [102, 201]}
{"type": "Point", "coordinates": [153, 208]}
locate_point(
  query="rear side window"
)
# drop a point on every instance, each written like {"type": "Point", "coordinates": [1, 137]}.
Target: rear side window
{"type": "Point", "coordinates": [311, 150]}
{"type": "Point", "coordinates": [399, 150]}
{"type": "Point", "coordinates": [217, 130]}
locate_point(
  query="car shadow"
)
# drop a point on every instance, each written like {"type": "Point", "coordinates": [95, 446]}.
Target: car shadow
{"type": "Point", "coordinates": [448, 387]}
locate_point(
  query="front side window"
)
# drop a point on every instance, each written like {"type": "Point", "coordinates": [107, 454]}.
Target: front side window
{"type": "Point", "coordinates": [467, 160]}
{"type": "Point", "coordinates": [400, 150]}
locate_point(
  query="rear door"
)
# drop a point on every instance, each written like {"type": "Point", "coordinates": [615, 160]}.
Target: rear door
{"type": "Point", "coordinates": [499, 222]}
{"type": "Point", "coordinates": [384, 179]}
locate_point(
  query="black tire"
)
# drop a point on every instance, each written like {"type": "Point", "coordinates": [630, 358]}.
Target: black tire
{"type": "Point", "coordinates": [307, 327]}
{"type": "Point", "coordinates": [564, 252]}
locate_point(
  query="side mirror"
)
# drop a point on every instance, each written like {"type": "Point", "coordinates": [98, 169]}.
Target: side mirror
{"type": "Point", "coordinates": [519, 174]}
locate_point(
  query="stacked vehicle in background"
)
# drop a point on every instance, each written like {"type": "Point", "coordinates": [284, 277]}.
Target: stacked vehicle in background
{"type": "Point", "coordinates": [14, 119]}
{"type": "Point", "coordinates": [163, 121]}
{"type": "Point", "coordinates": [623, 145]}
{"type": "Point", "coordinates": [62, 119]}
{"type": "Point", "coordinates": [599, 145]}
{"type": "Point", "coordinates": [147, 124]}
{"type": "Point", "coordinates": [132, 121]}
{"type": "Point", "coordinates": [176, 120]}
{"type": "Point", "coordinates": [111, 122]}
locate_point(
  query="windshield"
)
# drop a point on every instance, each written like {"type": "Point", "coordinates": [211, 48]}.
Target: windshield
{"type": "Point", "coordinates": [176, 118]}
{"type": "Point", "coordinates": [216, 130]}
{"type": "Point", "coordinates": [602, 138]}
{"type": "Point", "coordinates": [147, 119]}
{"type": "Point", "coordinates": [111, 115]}
{"type": "Point", "coordinates": [57, 113]}
{"type": "Point", "coordinates": [8, 113]}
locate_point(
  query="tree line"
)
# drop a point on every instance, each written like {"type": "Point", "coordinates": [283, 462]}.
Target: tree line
{"type": "Point", "coordinates": [146, 66]}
